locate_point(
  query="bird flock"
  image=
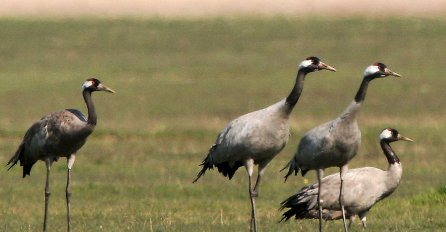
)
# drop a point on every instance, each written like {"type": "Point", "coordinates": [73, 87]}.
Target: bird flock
{"type": "Point", "coordinates": [252, 139]}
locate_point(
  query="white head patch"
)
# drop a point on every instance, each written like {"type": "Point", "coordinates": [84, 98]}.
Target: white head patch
{"type": "Point", "coordinates": [305, 63]}
{"type": "Point", "coordinates": [371, 70]}
{"type": "Point", "coordinates": [87, 84]}
{"type": "Point", "coordinates": [386, 134]}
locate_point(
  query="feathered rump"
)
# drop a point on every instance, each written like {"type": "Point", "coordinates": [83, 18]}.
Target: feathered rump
{"type": "Point", "coordinates": [207, 163]}
{"type": "Point", "coordinates": [19, 155]}
{"type": "Point", "coordinates": [293, 167]}
{"type": "Point", "coordinates": [226, 168]}
{"type": "Point", "coordinates": [16, 157]}
{"type": "Point", "coordinates": [300, 205]}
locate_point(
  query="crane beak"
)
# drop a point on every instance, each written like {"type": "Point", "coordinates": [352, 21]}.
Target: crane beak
{"type": "Point", "coordinates": [400, 137]}
{"type": "Point", "coordinates": [391, 73]}
{"type": "Point", "coordinates": [322, 65]}
{"type": "Point", "coordinates": [102, 87]}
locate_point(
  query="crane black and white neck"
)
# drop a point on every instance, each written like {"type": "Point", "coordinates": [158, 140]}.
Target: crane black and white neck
{"type": "Point", "coordinates": [59, 134]}
{"type": "Point", "coordinates": [335, 143]}
{"type": "Point", "coordinates": [361, 192]}
{"type": "Point", "coordinates": [257, 137]}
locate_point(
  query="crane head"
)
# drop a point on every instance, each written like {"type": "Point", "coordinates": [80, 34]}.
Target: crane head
{"type": "Point", "coordinates": [94, 84]}
{"type": "Point", "coordinates": [392, 135]}
{"type": "Point", "coordinates": [312, 63]}
{"type": "Point", "coordinates": [378, 70]}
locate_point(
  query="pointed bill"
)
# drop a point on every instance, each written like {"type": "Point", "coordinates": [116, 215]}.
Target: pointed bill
{"type": "Point", "coordinates": [391, 73]}
{"type": "Point", "coordinates": [322, 65]}
{"type": "Point", "coordinates": [400, 137]}
{"type": "Point", "coordinates": [102, 87]}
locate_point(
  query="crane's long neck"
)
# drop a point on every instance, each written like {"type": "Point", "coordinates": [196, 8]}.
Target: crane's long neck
{"type": "Point", "coordinates": [92, 117]}
{"type": "Point", "coordinates": [293, 97]}
{"type": "Point", "coordinates": [392, 158]}
{"type": "Point", "coordinates": [362, 91]}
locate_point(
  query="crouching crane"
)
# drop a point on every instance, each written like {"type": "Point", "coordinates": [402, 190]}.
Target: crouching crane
{"type": "Point", "coordinates": [364, 187]}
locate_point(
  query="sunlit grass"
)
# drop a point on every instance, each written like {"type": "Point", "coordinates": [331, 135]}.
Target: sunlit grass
{"type": "Point", "coordinates": [179, 82]}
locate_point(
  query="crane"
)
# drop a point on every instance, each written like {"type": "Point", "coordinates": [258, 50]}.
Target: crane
{"type": "Point", "coordinates": [361, 193]}
{"type": "Point", "coordinates": [257, 137]}
{"type": "Point", "coordinates": [335, 143]}
{"type": "Point", "coordinates": [59, 134]}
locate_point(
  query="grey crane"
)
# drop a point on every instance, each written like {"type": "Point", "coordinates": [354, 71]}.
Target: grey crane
{"type": "Point", "coordinates": [335, 143]}
{"type": "Point", "coordinates": [59, 134]}
{"type": "Point", "coordinates": [257, 137]}
{"type": "Point", "coordinates": [361, 194]}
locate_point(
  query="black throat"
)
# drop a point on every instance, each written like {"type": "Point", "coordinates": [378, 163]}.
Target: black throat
{"type": "Point", "coordinates": [92, 118]}
{"type": "Point", "coordinates": [392, 158]}
{"type": "Point", "coordinates": [295, 93]}
{"type": "Point", "coordinates": [362, 91]}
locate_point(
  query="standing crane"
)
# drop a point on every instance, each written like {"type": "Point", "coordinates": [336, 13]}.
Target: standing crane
{"type": "Point", "coordinates": [59, 134]}
{"type": "Point", "coordinates": [257, 137]}
{"type": "Point", "coordinates": [361, 194]}
{"type": "Point", "coordinates": [335, 143]}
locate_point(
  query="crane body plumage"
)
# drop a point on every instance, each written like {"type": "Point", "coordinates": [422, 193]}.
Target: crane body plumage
{"type": "Point", "coordinates": [364, 187]}
{"type": "Point", "coordinates": [335, 143]}
{"type": "Point", "coordinates": [257, 137]}
{"type": "Point", "coordinates": [363, 191]}
{"type": "Point", "coordinates": [331, 144]}
{"type": "Point", "coordinates": [59, 134]}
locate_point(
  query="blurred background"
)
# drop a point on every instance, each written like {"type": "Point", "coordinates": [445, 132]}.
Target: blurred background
{"type": "Point", "coordinates": [182, 70]}
{"type": "Point", "coordinates": [200, 8]}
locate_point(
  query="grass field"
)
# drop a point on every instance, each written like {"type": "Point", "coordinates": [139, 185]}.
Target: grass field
{"type": "Point", "coordinates": [179, 82]}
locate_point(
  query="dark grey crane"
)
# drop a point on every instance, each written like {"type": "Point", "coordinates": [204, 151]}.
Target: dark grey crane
{"type": "Point", "coordinates": [335, 143]}
{"type": "Point", "coordinates": [361, 191]}
{"type": "Point", "coordinates": [59, 134]}
{"type": "Point", "coordinates": [257, 137]}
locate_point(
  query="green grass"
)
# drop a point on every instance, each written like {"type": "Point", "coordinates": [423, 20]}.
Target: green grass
{"type": "Point", "coordinates": [179, 82]}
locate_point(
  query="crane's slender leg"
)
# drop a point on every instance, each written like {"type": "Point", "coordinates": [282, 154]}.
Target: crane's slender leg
{"type": "Point", "coordinates": [320, 175]}
{"type": "Point", "coordinates": [364, 224]}
{"type": "Point", "coordinates": [262, 168]}
{"type": "Point", "coordinates": [343, 170]}
{"type": "Point", "coordinates": [48, 162]}
{"type": "Point", "coordinates": [249, 165]}
{"type": "Point", "coordinates": [70, 162]}
{"type": "Point", "coordinates": [350, 221]}
{"type": "Point", "coordinates": [363, 218]}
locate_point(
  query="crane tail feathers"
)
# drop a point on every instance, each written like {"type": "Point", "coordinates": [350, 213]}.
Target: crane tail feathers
{"type": "Point", "coordinates": [207, 164]}
{"type": "Point", "coordinates": [20, 156]}
{"type": "Point", "coordinates": [292, 167]}
{"type": "Point", "coordinates": [16, 157]}
{"type": "Point", "coordinates": [297, 207]}
{"type": "Point", "coordinates": [303, 205]}
{"type": "Point", "coordinates": [228, 169]}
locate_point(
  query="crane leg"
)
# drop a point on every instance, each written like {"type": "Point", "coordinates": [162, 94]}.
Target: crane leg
{"type": "Point", "coordinates": [364, 224]}
{"type": "Point", "coordinates": [350, 221]}
{"type": "Point", "coordinates": [343, 170]}
{"type": "Point", "coordinates": [249, 165]}
{"type": "Point", "coordinates": [363, 218]}
{"type": "Point", "coordinates": [70, 162]}
{"type": "Point", "coordinates": [320, 174]}
{"type": "Point", "coordinates": [48, 162]}
{"type": "Point", "coordinates": [262, 167]}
